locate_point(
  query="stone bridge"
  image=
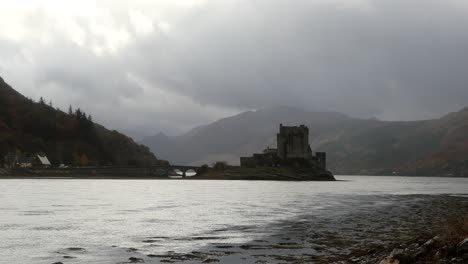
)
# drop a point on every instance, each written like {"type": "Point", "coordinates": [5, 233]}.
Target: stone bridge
{"type": "Point", "coordinates": [166, 170]}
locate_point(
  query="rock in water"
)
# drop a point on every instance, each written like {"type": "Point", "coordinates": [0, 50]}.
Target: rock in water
{"type": "Point", "coordinates": [136, 260]}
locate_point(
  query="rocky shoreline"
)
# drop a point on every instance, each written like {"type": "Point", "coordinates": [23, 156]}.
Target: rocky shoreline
{"type": "Point", "coordinates": [439, 249]}
{"type": "Point", "coordinates": [266, 173]}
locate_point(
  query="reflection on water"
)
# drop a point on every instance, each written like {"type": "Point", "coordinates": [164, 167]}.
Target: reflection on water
{"type": "Point", "coordinates": [39, 218]}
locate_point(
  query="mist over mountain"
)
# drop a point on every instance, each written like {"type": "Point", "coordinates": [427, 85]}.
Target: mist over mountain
{"type": "Point", "coordinates": [354, 146]}
{"type": "Point", "coordinates": [28, 128]}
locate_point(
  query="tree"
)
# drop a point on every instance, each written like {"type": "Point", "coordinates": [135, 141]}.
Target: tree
{"type": "Point", "coordinates": [220, 166]}
{"type": "Point", "coordinates": [84, 160]}
{"type": "Point", "coordinates": [203, 169]}
{"type": "Point", "coordinates": [41, 101]}
{"type": "Point", "coordinates": [70, 110]}
{"type": "Point", "coordinates": [78, 114]}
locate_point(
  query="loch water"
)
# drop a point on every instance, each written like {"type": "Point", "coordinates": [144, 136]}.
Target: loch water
{"type": "Point", "coordinates": [41, 220]}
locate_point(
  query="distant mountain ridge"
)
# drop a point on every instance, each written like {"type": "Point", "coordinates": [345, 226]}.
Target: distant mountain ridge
{"type": "Point", "coordinates": [29, 127]}
{"type": "Point", "coordinates": [354, 146]}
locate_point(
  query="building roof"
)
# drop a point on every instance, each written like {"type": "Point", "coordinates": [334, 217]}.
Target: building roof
{"type": "Point", "coordinates": [43, 160]}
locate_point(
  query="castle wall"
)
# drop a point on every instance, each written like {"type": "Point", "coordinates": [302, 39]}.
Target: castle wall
{"type": "Point", "coordinates": [321, 160]}
{"type": "Point", "coordinates": [281, 146]}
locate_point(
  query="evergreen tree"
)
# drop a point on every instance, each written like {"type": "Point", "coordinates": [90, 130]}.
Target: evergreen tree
{"type": "Point", "coordinates": [78, 113]}
{"type": "Point", "coordinates": [70, 110]}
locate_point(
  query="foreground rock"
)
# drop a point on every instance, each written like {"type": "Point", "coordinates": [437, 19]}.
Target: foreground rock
{"type": "Point", "coordinates": [448, 247]}
{"type": "Point", "coordinates": [433, 251]}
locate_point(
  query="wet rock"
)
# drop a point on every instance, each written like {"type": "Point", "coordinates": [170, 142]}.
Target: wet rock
{"type": "Point", "coordinates": [397, 252]}
{"type": "Point", "coordinates": [457, 260]}
{"type": "Point", "coordinates": [161, 255]}
{"type": "Point", "coordinates": [230, 253]}
{"type": "Point", "coordinates": [413, 246]}
{"type": "Point", "coordinates": [207, 238]}
{"type": "Point", "coordinates": [389, 260]}
{"type": "Point", "coordinates": [398, 256]}
{"type": "Point", "coordinates": [429, 243]}
{"type": "Point", "coordinates": [463, 246]}
{"type": "Point", "coordinates": [151, 240]}
{"type": "Point", "coordinates": [68, 257]}
{"type": "Point", "coordinates": [58, 262]}
{"type": "Point", "coordinates": [419, 252]}
{"type": "Point", "coordinates": [136, 260]}
{"type": "Point", "coordinates": [75, 249]}
{"type": "Point", "coordinates": [249, 247]}
{"type": "Point", "coordinates": [287, 243]}
{"type": "Point", "coordinates": [209, 260]}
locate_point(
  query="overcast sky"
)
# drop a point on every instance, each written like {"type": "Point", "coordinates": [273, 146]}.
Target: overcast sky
{"type": "Point", "coordinates": [144, 66]}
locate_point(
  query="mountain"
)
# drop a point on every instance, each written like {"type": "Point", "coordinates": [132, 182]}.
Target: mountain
{"type": "Point", "coordinates": [231, 137]}
{"type": "Point", "coordinates": [29, 127]}
{"type": "Point", "coordinates": [353, 146]}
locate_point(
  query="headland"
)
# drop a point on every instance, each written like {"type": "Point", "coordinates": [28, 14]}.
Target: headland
{"type": "Point", "coordinates": [292, 160]}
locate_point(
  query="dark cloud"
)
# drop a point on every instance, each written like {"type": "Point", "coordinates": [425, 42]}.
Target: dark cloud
{"type": "Point", "coordinates": [394, 59]}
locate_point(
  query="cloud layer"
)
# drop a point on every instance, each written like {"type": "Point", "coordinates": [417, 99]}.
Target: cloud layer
{"type": "Point", "coordinates": [145, 66]}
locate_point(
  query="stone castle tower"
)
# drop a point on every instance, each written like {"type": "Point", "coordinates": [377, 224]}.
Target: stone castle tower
{"type": "Point", "coordinates": [293, 142]}
{"type": "Point", "coordinates": [293, 149]}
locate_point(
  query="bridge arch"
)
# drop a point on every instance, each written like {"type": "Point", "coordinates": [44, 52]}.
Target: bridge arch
{"type": "Point", "coordinates": [191, 172]}
{"type": "Point", "coordinates": [175, 170]}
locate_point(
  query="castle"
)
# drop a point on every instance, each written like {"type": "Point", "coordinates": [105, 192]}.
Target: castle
{"type": "Point", "coordinates": [293, 150]}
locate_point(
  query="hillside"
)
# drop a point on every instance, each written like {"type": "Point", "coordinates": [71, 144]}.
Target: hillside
{"type": "Point", "coordinates": [354, 146]}
{"type": "Point", "coordinates": [29, 127]}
